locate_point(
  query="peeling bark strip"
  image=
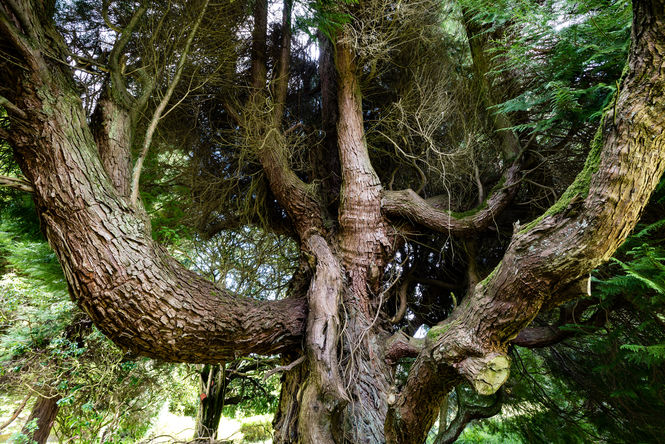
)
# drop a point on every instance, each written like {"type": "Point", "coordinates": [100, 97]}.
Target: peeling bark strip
{"type": "Point", "coordinates": [577, 234]}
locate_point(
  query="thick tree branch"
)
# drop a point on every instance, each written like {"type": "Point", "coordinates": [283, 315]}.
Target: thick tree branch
{"type": "Point", "coordinates": [142, 299]}
{"type": "Point", "coordinates": [407, 204]}
{"type": "Point", "coordinates": [582, 230]}
{"type": "Point", "coordinates": [263, 130]}
{"type": "Point", "coordinates": [364, 236]}
{"type": "Point", "coordinates": [282, 80]}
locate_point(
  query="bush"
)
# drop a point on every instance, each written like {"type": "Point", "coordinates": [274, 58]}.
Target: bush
{"type": "Point", "coordinates": [256, 431]}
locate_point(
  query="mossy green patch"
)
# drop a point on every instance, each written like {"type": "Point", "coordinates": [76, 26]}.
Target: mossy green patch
{"type": "Point", "coordinates": [485, 281]}
{"type": "Point", "coordinates": [580, 186]}
{"type": "Point", "coordinates": [437, 331]}
{"type": "Point", "coordinates": [464, 214]}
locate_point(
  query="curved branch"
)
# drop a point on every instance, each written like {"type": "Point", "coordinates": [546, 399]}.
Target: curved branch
{"type": "Point", "coordinates": [582, 230]}
{"type": "Point", "coordinates": [142, 299]}
{"type": "Point", "coordinates": [467, 413]}
{"type": "Point", "coordinates": [107, 20]}
{"type": "Point", "coordinates": [409, 205]}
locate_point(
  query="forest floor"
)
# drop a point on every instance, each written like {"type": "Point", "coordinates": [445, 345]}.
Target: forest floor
{"type": "Point", "coordinates": [179, 427]}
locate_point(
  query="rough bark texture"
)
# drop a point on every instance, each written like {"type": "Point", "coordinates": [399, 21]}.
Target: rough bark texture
{"type": "Point", "coordinates": [364, 239]}
{"type": "Point", "coordinates": [44, 412]}
{"type": "Point", "coordinates": [112, 130]}
{"type": "Point", "coordinates": [140, 297]}
{"type": "Point", "coordinates": [148, 303]}
{"type": "Point", "coordinates": [581, 231]}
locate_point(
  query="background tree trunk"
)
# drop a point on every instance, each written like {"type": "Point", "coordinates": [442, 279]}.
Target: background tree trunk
{"type": "Point", "coordinates": [213, 386]}
{"type": "Point", "coordinates": [44, 412]}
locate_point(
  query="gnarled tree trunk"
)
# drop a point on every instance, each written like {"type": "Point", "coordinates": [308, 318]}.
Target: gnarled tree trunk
{"type": "Point", "coordinates": [345, 391]}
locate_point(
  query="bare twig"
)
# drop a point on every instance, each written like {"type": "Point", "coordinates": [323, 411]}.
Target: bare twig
{"type": "Point", "coordinates": [162, 106]}
{"type": "Point", "coordinates": [402, 303]}
{"type": "Point", "coordinates": [16, 412]}
{"type": "Point", "coordinates": [283, 368]}
{"type": "Point", "coordinates": [4, 102]}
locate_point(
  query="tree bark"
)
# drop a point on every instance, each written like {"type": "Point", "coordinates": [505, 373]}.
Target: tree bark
{"type": "Point", "coordinates": [212, 400]}
{"type": "Point", "coordinates": [44, 412]}
{"type": "Point", "coordinates": [139, 296]}
{"type": "Point", "coordinates": [148, 303]}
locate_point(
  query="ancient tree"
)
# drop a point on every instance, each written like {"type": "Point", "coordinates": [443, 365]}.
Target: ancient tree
{"type": "Point", "coordinates": [340, 327]}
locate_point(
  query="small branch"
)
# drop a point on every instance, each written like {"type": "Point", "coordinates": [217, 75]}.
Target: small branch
{"type": "Point", "coordinates": [4, 102]}
{"type": "Point", "coordinates": [16, 183]}
{"type": "Point", "coordinates": [16, 412]}
{"type": "Point", "coordinates": [479, 184]}
{"type": "Point", "coordinates": [545, 336]}
{"type": "Point", "coordinates": [162, 106]}
{"type": "Point", "coordinates": [107, 20]}
{"type": "Point", "coordinates": [402, 303]}
{"type": "Point", "coordinates": [284, 368]}
{"type": "Point", "coordinates": [401, 348]}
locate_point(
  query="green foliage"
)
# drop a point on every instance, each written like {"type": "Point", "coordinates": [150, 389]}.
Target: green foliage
{"type": "Point", "coordinates": [48, 345]}
{"type": "Point", "coordinates": [256, 431]}
{"type": "Point", "coordinates": [327, 16]}
{"type": "Point", "coordinates": [570, 53]}
{"type": "Point", "coordinates": [24, 438]}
